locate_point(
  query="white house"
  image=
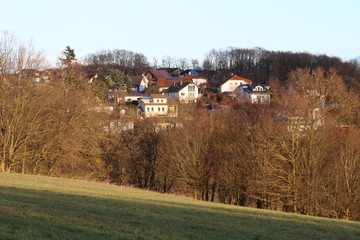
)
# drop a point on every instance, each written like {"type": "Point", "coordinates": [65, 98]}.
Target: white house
{"type": "Point", "coordinates": [154, 105]}
{"type": "Point", "coordinates": [230, 84]}
{"type": "Point", "coordinates": [139, 82]}
{"type": "Point", "coordinates": [254, 93]}
{"type": "Point", "coordinates": [133, 97]}
{"type": "Point", "coordinates": [186, 92]}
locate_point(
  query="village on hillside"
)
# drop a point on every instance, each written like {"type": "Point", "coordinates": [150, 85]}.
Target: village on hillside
{"type": "Point", "coordinates": [158, 93]}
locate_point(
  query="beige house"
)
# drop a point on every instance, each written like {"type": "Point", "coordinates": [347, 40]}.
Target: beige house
{"type": "Point", "coordinates": [155, 105]}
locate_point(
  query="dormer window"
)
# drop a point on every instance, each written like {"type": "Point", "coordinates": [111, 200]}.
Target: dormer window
{"type": "Point", "coordinates": [258, 88]}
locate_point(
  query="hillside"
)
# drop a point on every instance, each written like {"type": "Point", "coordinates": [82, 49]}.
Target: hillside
{"type": "Point", "coordinates": [35, 207]}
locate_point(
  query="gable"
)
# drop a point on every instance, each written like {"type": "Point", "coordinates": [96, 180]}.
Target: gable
{"type": "Point", "coordinates": [236, 78]}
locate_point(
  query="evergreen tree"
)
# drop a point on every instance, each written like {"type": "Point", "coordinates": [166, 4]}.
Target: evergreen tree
{"type": "Point", "coordinates": [69, 56]}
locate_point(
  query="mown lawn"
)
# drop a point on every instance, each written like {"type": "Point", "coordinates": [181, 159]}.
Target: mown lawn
{"type": "Point", "coordinates": [35, 207]}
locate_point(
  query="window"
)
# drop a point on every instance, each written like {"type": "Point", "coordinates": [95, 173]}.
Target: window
{"type": "Point", "coordinates": [152, 109]}
{"type": "Point", "coordinates": [157, 100]}
{"type": "Point", "coordinates": [158, 109]}
{"type": "Point", "coordinates": [182, 94]}
{"type": "Point", "coordinates": [191, 88]}
{"type": "Point", "coordinates": [161, 100]}
{"type": "Point", "coordinates": [163, 109]}
{"type": "Point", "coordinates": [148, 109]}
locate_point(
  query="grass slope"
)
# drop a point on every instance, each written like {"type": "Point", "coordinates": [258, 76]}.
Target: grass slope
{"type": "Point", "coordinates": [35, 207]}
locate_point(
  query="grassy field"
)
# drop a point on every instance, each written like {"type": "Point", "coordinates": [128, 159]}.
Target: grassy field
{"type": "Point", "coordinates": [35, 207]}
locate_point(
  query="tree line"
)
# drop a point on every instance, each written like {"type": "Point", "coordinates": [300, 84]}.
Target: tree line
{"type": "Point", "coordinates": [262, 66]}
{"type": "Point", "coordinates": [257, 64]}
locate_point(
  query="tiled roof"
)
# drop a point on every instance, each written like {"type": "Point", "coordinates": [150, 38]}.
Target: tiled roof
{"type": "Point", "coordinates": [136, 79]}
{"type": "Point", "coordinates": [250, 88]}
{"type": "Point", "coordinates": [156, 104]}
{"type": "Point", "coordinates": [237, 78]}
{"type": "Point", "coordinates": [177, 87]}
{"type": "Point", "coordinates": [191, 72]}
{"type": "Point", "coordinates": [157, 96]}
{"type": "Point", "coordinates": [157, 73]}
{"type": "Point", "coordinates": [164, 79]}
{"type": "Point", "coordinates": [134, 95]}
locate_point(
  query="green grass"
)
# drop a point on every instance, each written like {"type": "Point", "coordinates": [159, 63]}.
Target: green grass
{"type": "Point", "coordinates": [35, 207]}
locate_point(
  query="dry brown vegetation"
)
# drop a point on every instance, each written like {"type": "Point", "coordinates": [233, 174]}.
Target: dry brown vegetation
{"type": "Point", "coordinates": [298, 154]}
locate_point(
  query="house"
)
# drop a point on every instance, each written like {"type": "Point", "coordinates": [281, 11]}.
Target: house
{"type": "Point", "coordinates": [164, 79]}
{"type": "Point", "coordinates": [106, 108]}
{"type": "Point", "coordinates": [117, 126]}
{"type": "Point", "coordinates": [115, 96]}
{"type": "Point", "coordinates": [175, 72]}
{"type": "Point", "coordinates": [198, 80]}
{"type": "Point", "coordinates": [130, 97]}
{"type": "Point", "coordinates": [155, 105]}
{"type": "Point", "coordinates": [185, 92]}
{"type": "Point", "coordinates": [254, 93]}
{"type": "Point", "coordinates": [230, 84]}
{"type": "Point", "coordinates": [139, 83]}
{"type": "Point", "coordinates": [191, 72]}
{"type": "Point", "coordinates": [38, 77]}
{"type": "Point", "coordinates": [90, 78]}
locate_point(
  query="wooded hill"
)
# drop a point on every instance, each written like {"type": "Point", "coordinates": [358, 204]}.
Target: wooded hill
{"type": "Point", "coordinates": [298, 154]}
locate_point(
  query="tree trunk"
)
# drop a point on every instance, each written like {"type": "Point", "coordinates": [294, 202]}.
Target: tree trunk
{"type": "Point", "coordinates": [2, 166]}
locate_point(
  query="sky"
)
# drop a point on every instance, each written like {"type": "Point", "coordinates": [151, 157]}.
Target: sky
{"type": "Point", "coordinates": [185, 28]}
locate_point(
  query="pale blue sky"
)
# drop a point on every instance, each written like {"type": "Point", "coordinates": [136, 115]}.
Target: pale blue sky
{"type": "Point", "coordinates": [185, 28]}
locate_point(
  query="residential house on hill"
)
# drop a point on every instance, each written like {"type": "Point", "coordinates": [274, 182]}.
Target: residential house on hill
{"type": "Point", "coordinates": [156, 105]}
{"type": "Point", "coordinates": [130, 97]}
{"type": "Point", "coordinates": [41, 77]}
{"type": "Point", "coordinates": [230, 84]}
{"type": "Point", "coordinates": [139, 83]}
{"type": "Point", "coordinates": [90, 78]}
{"type": "Point", "coordinates": [185, 92]}
{"type": "Point", "coordinates": [164, 80]}
{"type": "Point", "coordinates": [191, 72]}
{"type": "Point", "coordinates": [175, 72]}
{"type": "Point", "coordinates": [254, 93]}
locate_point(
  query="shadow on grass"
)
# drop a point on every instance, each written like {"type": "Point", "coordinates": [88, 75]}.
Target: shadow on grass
{"type": "Point", "coordinates": [35, 214]}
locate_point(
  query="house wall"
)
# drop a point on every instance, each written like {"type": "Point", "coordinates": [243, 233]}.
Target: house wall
{"type": "Point", "coordinates": [143, 84]}
{"type": "Point", "coordinates": [173, 95]}
{"type": "Point", "coordinates": [231, 85]}
{"type": "Point", "coordinates": [199, 81]}
{"type": "Point", "coordinates": [131, 98]}
{"type": "Point", "coordinates": [159, 100]}
{"type": "Point", "coordinates": [258, 98]}
{"type": "Point", "coordinates": [187, 94]}
{"type": "Point", "coordinates": [154, 110]}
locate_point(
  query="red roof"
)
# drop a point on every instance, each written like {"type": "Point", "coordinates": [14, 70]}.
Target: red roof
{"type": "Point", "coordinates": [157, 73]}
{"type": "Point", "coordinates": [164, 78]}
{"type": "Point", "coordinates": [155, 95]}
{"type": "Point", "coordinates": [237, 78]}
